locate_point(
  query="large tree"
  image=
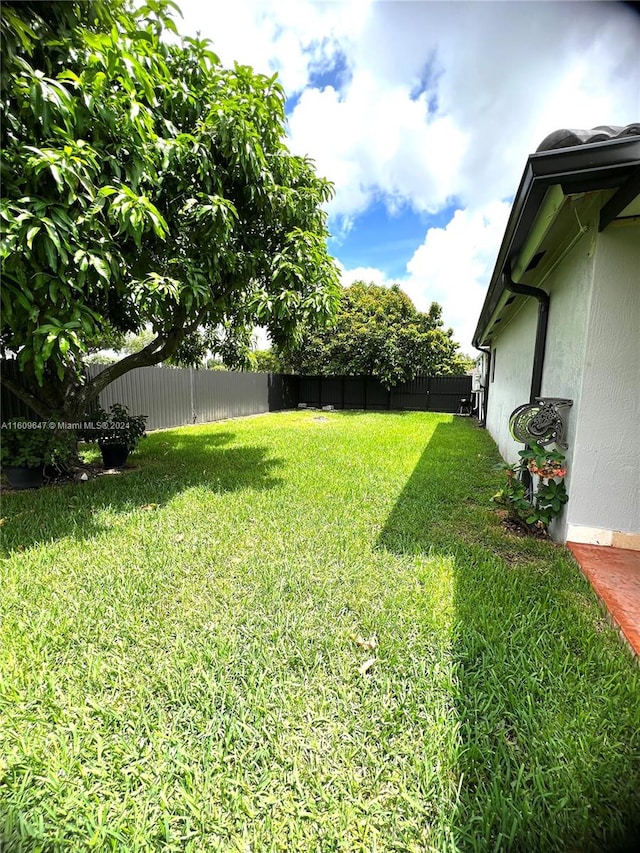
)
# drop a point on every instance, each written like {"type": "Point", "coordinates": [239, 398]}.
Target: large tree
{"type": "Point", "coordinates": [144, 186]}
{"type": "Point", "coordinates": [378, 332]}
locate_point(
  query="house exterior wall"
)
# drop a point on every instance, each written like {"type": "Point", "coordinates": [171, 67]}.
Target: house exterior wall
{"type": "Point", "coordinates": [570, 288]}
{"type": "Point", "coordinates": [593, 358]}
{"type": "Point", "coordinates": [510, 375]}
{"type": "Point", "coordinates": [605, 468]}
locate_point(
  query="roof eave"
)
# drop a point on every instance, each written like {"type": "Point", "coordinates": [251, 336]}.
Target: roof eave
{"type": "Point", "coordinates": [597, 165]}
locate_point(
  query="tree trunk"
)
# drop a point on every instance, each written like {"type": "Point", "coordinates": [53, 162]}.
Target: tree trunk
{"type": "Point", "coordinates": [68, 398]}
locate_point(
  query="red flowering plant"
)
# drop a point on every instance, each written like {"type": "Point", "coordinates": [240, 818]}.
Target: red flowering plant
{"type": "Point", "coordinates": [534, 509]}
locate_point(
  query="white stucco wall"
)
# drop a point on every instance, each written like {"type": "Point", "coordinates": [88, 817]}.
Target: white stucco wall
{"type": "Point", "coordinates": [593, 358]}
{"type": "Point", "coordinates": [570, 287]}
{"type": "Point", "coordinates": [512, 359]}
{"type": "Point", "coordinates": [605, 467]}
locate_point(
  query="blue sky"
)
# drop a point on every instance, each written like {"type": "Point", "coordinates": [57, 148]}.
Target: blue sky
{"type": "Point", "coordinates": [423, 115]}
{"type": "Point", "coordinates": [385, 240]}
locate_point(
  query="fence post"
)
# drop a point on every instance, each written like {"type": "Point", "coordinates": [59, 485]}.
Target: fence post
{"type": "Point", "coordinates": [194, 414]}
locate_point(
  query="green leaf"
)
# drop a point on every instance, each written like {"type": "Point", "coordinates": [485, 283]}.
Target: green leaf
{"type": "Point", "coordinates": [31, 233]}
{"type": "Point", "coordinates": [95, 176]}
{"type": "Point", "coordinates": [51, 253]}
{"type": "Point", "coordinates": [100, 267]}
{"type": "Point", "coordinates": [56, 174]}
{"type": "Point", "coordinates": [47, 346]}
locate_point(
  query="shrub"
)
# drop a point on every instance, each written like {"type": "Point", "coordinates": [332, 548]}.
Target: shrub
{"type": "Point", "coordinates": [116, 427]}
{"type": "Point", "coordinates": [534, 509]}
{"type": "Point", "coordinates": [32, 444]}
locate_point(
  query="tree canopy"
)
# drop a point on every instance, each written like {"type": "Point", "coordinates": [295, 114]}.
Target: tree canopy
{"type": "Point", "coordinates": [265, 361]}
{"type": "Point", "coordinates": [379, 332]}
{"type": "Point", "coordinates": [144, 186]}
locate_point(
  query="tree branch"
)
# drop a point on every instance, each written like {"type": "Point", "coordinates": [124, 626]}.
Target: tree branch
{"type": "Point", "coordinates": [158, 350]}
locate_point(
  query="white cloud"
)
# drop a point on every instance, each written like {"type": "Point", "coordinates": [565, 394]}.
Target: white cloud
{"type": "Point", "coordinates": [292, 37]}
{"type": "Point", "coordinates": [370, 275]}
{"type": "Point", "coordinates": [498, 77]}
{"type": "Point", "coordinates": [454, 264]}
{"type": "Point", "coordinates": [442, 102]}
{"type": "Point", "coordinates": [452, 267]}
{"type": "Point", "coordinates": [374, 140]}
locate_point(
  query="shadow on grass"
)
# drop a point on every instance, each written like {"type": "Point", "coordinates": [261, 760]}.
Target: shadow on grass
{"type": "Point", "coordinates": [545, 696]}
{"type": "Point", "coordinates": [166, 464]}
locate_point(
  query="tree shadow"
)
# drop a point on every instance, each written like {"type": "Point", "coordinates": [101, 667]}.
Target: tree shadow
{"type": "Point", "coordinates": [166, 464]}
{"type": "Point", "coordinates": [549, 753]}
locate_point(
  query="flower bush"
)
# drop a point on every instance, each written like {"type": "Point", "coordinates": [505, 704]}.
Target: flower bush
{"type": "Point", "coordinates": [534, 509]}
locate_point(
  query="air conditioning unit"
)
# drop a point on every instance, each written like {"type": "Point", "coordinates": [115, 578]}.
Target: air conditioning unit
{"type": "Point", "coordinates": [479, 377]}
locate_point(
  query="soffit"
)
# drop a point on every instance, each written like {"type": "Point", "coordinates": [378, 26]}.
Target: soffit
{"type": "Point", "coordinates": [601, 167]}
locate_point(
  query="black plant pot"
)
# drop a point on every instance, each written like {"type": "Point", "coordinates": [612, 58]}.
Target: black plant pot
{"type": "Point", "coordinates": [24, 478]}
{"type": "Point", "coordinates": [114, 455]}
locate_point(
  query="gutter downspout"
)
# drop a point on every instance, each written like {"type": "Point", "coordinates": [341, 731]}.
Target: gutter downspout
{"type": "Point", "coordinates": [485, 390]}
{"type": "Point", "coordinates": [541, 328]}
{"type": "Point", "coordinates": [541, 341]}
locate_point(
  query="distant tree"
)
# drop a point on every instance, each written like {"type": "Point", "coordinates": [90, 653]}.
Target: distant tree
{"type": "Point", "coordinates": [464, 364]}
{"type": "Point", "coordinates": [378, 332]}
{"type": "Point", "coordinates": [265, 361]}
{"type": "Point", "coordinates": [203, 345]}
{"type": "Point", "coordinates": [144, 186]}
{"type": "Point", "coordinates": [135, 343]}
{"type": "Point", "coordinates": [101, 358]}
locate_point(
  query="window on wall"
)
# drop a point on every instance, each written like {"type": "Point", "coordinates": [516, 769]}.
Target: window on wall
{"type": "Point", "coordinates": [493, 364]}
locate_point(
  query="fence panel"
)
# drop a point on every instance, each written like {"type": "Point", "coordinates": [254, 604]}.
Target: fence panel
{"type": "Point", "coordinates": [10, 405]}
{"type": "Point", "coordinates": [309, 390]}
{"type": "Point", "coordinates": [411, 395]}
{"type": "Point", "coordinates": [445, 392]}
{"type": "Point", "coordinates": [378, 397]}
{"type": "Point", "coordinates": [332, 390]}
{"type": "Point", "coordinates": [179, 396]}
{"type": "Point", "coordinates": [162, 393]}
{"type": "Point", "coordinates": [221, 394]}
{"type": "Point", "coordinates": [422, 394]}
{"type": "Point", "coordinates": [283, 391]}
{"type": "Point", "coordinates": [355, 392]}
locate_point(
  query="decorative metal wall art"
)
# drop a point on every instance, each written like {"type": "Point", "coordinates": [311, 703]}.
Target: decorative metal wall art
{"type": "Point", "coordinates": [540, 422]}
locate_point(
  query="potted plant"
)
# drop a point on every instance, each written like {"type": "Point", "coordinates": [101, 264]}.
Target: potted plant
{"type": "Point", "coordinates": [27, 447]}
{"type": "Point", "coordinates": [117, 433]}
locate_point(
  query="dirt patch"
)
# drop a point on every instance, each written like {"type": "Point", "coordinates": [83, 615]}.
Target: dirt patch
{"type": "Point", "coordinates": [520, 528]}
{"type": "Point", "coordinates": [82, 472]}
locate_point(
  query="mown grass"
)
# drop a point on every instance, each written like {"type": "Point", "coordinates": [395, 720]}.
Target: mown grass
{"type": "Point", "coordinates": [183, 677]}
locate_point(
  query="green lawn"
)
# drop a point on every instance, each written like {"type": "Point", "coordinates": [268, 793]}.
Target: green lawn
{"type": "Point", "coordinates": [185, 677]}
